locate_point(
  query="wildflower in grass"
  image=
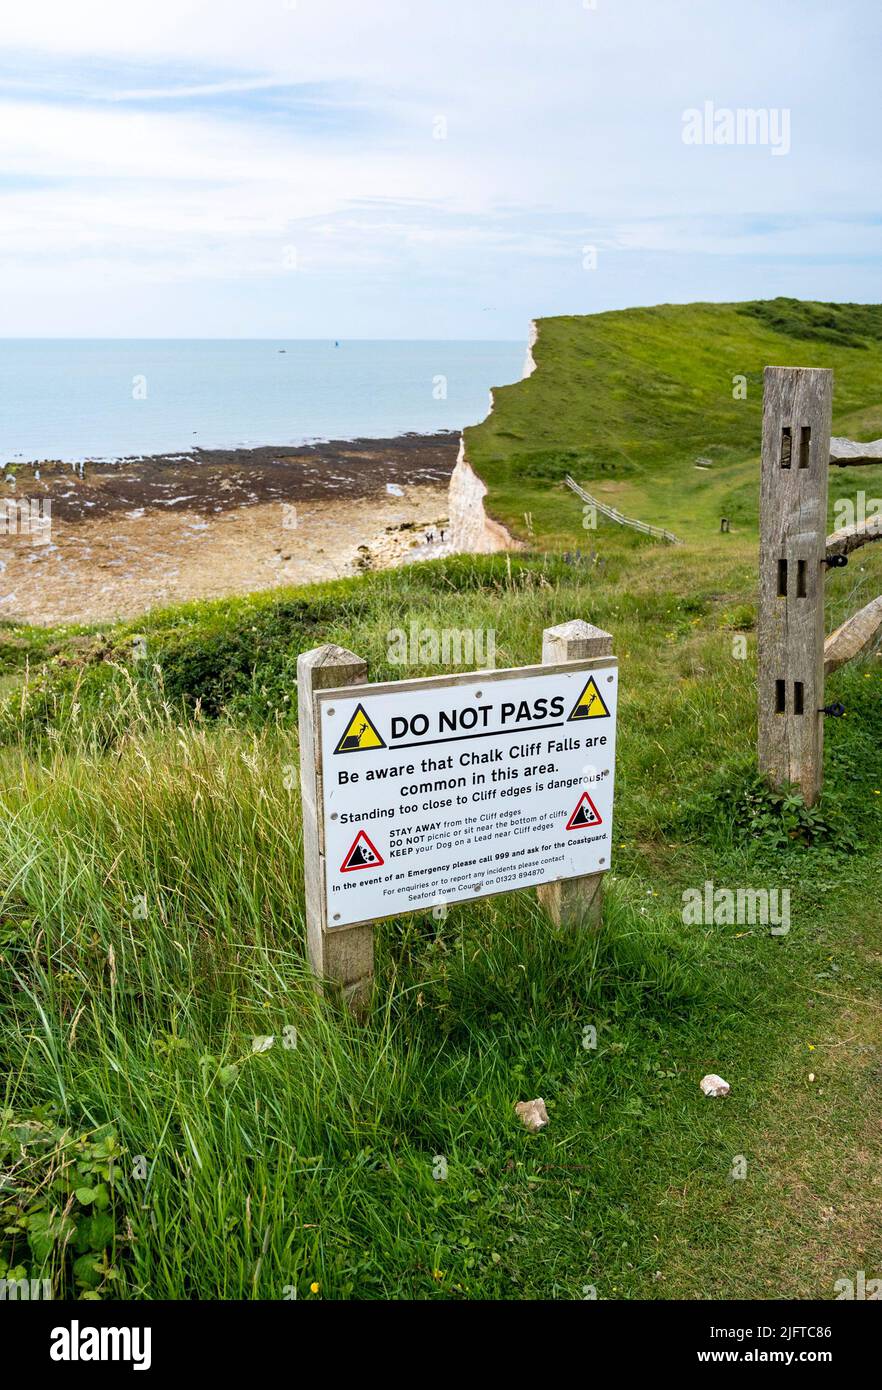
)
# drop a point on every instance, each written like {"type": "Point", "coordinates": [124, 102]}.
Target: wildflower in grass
{"type": "Point", "coordinates": [437, 1274]}
{"type": "Point", "coordinates": [314, 1288]}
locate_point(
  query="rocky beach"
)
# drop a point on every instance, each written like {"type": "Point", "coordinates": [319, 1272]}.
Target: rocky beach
{"type": "Point", "coordinates": [119, 538]}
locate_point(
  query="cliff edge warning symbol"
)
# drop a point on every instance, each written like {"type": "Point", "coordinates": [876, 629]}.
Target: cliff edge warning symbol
{"type": "Point", "coordinates": [359, 734]}
{"type": "Point", "coordinates": [362, 855]}
{"type": "Point", "coordinates": [590, 704]}
{"type": "Point", "coordinates": [585, 816]}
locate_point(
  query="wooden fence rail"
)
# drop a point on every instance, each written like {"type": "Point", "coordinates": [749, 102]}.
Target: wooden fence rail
{"type": "Point", "coordinates": [857, 636]}
{"type": "Point", "coordinates": [850, 538]}
{"type": "Point", "coordinates": [848, 453]}
{"type": "Point", "coordinates": [614, 515]}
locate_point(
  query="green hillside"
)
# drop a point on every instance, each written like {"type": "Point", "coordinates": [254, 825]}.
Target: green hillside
{"type": "Point", "coordinates": [626, 402]}
{"type": "Point", "coordinates": [152, 919]}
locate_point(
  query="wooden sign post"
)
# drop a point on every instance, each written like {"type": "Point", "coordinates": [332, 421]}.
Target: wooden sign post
{"type": "Point", "coordinates": [346, 958]}
{"type": "Point", "coordinates": [419, 794]}
{"type": "Point", "coordinates": [797, 411]}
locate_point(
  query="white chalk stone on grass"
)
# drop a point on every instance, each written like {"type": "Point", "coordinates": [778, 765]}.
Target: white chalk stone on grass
{"type": "Point", "coordinates": [714, 1086]}
{"type": "Point", "coordinates": [533, 1114]}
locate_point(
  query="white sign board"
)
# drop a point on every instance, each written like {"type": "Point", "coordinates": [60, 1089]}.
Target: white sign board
{"type": "Point", "coordinates": [440, 790]}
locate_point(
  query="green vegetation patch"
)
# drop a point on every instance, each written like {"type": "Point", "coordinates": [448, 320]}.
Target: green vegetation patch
{"type": "Point", "coordinates": [183, 1117]}
{"type": "Point", "coordinates": [659, 411]}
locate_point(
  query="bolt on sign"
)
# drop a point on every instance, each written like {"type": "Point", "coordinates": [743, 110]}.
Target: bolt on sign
{"type": "Point", "coordinates": [439, 790]}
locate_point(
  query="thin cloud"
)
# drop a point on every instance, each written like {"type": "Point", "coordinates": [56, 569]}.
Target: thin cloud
{"type": "Point", "coordinates": [206, 89]}
{"type": "Point", "coordinates": [425, 161]}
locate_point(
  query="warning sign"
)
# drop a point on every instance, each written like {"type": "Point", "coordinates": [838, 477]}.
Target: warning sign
{"type": "Point", "coordinates": [360, 734]}
{"type": "Point", "coordinates": [590, 704]}
{"type": "Point", "coordinates": [464, 786]}
{"type": "Point", "coordinates": [585, 815]}
{"type": "Point", "coordinates": [361, 855]}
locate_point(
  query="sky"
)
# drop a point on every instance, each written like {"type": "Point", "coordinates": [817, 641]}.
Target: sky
{"type": "Point", "coordinates": [428, 168]}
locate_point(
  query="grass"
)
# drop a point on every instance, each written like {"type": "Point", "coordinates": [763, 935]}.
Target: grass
{"type": "Point", "coordinates": [628, 401]}
{"type": "Point", "coordinates": [151, 934]}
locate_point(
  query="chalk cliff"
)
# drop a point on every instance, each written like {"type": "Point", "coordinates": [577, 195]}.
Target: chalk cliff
{"type": "Point", "coordinates": [471, 529]}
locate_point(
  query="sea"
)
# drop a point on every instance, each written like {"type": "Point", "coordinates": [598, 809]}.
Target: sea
{"type": "Point", "coordinates": [79, 399]}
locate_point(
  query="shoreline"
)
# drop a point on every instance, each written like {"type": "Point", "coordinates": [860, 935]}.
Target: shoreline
{"type": "Point", "coordinates": [130, 536]}
{"type": "Point", "coordinates": [201, 453]}
{"type": "Point", "coordinates": [222, 478]}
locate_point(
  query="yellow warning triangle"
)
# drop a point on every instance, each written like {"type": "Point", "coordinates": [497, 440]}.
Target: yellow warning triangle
{"type": "Point", "coordinates": [590, 704]}
{"type": "Point", "coordinates": [359, 734]}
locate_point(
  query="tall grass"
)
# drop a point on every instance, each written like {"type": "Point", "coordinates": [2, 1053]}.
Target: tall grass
{"type": "Point", "coordinates": [184, 1116]}
{"type": "Point", "coordinates": [152, 940]}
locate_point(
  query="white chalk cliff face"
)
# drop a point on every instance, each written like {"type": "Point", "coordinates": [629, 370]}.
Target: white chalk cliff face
{"type": "Point", "coordinates": [530, 362]}
{"type": "Point", "coordinates": [471, 529]}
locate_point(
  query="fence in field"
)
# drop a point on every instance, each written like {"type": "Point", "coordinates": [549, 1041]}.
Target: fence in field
{"type": "Point", "coordinates": [795, 553]}
{"type": "Point", "coordinates": [614, 515]}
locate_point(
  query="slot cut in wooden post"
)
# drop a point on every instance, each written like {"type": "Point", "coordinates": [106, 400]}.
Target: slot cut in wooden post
{"type": "Point", "coordinates": [574, 901]}
{"type": "Point", "coordinates": [797, 413]}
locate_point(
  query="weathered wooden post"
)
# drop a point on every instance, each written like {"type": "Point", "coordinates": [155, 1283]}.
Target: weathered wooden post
{"type": "Point", "coordinates": [797, 411]}
{"type": "Point", "coordinates": [575, 901]}
{"type": "Point", "coordinates": [344, 956]}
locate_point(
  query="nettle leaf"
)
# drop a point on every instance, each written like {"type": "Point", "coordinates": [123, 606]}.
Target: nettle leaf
{"type": "Point", "coordinates": [94, 1233]}
{"type": "Point", "coordinates": [87, 1271]}
{"type": "Point", "coordinates": [86, 1195]}
{"type": "Point", "coordinates": [104, 1143]}
{"type": "Point", "coordinates": [43, 1232]}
